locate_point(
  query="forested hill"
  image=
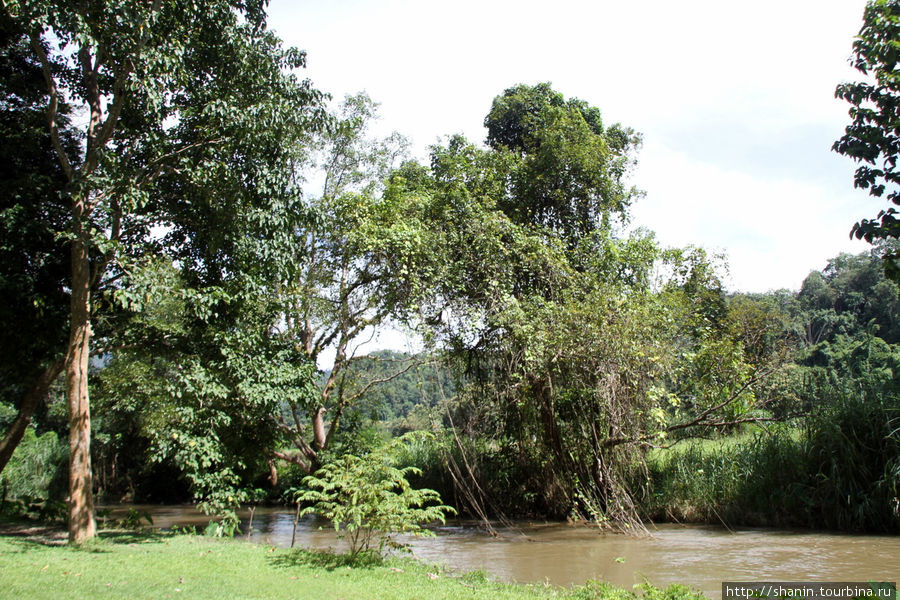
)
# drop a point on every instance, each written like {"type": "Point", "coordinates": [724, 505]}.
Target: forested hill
{"type": "Point", "coordinates": [399, 383]}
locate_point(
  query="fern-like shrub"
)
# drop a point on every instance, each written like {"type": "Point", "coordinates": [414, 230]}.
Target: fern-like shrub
{"type": "Point", "coordinates": [369, 500]}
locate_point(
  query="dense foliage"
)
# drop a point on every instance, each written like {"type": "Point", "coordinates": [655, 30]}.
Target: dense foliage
{"type": "Point", "coordinates": [33, 266]}
{"type": "Point", "coordinates": [575, 345]}
{"type": "Point", "coordinates": [185, 154]}
{"type": "Point", "coordinates": [873, 137]}
{"type": "Point", "coordinates": [221, 247]}
{"type": "Point", "coordinates": [839, 466]}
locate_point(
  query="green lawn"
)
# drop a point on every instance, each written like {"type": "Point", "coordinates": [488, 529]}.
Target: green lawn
{"type": "Point", "coordinates": [138, 566]}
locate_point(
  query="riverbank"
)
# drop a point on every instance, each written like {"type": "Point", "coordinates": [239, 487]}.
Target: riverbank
{"type": "Point", "coordinates": [38, 565]}
{"type": "Point", "coordinates": [837, 470]}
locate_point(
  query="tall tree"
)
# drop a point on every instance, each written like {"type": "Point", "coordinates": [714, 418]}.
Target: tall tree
{"type": "Point", "coordinates": [571, 168]}
{"type": "Point", "coordinates": [873, 136]}
{"type": "Point", "coordinates": [362, 260]}
{"type": "Point", "coordinates": [33, 268]}
{"type": "Point", "coordinates": [187, 106]}
{"type": "Point", "coordinates": [579, 346]}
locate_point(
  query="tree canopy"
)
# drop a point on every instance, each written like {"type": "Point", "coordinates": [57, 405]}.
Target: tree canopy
{"type": "Point", "coordinates": [569, 169]}
{"type": "Point", "coordinates": [873, 136]}
{"type": "Point", "coordinates": [183, 153]}
{"type": "Point", "coordinates": [33, 265]}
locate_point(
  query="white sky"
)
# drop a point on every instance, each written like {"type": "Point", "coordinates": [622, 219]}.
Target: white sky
{"type": "Point", "coordinates": [735, 101]}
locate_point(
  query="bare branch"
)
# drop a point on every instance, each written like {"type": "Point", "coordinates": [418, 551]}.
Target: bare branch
{"type": "Point", "coordinates": [292, 458]}
{"type": "Point", "coordinates": [296, 436]}
{"type": "Point", "coordinates": [89, 71]}
{"type": "Point", "coordinates": [390, 377]}
{"type": "Point", "coordinates": [119, 93]}
{"type": "Point", "coordinates": [52, 107]}
{"type": "Point", "coordinates": [98, 141]}
{"type": "Point", "coordinates": [703, 415]}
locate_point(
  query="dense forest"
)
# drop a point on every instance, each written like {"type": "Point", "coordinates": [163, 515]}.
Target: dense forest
{"type": "Point", "coordinates": [197, 247]}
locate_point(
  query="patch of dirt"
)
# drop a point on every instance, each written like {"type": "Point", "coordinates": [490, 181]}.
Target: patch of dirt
{"type": "Point", "coordinates": [49, 535]}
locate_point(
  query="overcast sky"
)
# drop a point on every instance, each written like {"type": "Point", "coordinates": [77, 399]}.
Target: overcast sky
{"type": "Point", "coordinates": [735, 101]}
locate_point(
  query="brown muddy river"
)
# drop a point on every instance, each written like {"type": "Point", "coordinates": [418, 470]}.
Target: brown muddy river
{"type": "Point", "coordinates": [698, 556]}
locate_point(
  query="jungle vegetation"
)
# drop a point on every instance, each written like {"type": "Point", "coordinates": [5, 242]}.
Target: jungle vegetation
{"type": "Point", "coordinates": [190, 273]}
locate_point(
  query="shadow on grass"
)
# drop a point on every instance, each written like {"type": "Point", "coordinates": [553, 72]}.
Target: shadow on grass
{"type": "Point", "coordinates": [25, 536]}
{"type": "Point", "coordinates": [325, 559]}
{"type": "Point", "coordinates": [24, 544]}
{"type": "Point", "coordinates": [144, 536]}
{"type": "Point", "coordinates": [33, 533]}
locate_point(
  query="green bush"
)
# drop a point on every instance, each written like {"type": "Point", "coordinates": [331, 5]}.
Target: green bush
{"type": "Point", "coordinates": [368, 499]}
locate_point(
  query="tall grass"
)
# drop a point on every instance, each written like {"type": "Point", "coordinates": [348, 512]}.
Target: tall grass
{"type": "Point", "coordinates": [728, 482]}
{"type": "Point", "coordinates": [853, 456]}
{"type": "Point", "coordinates": [839, 470]}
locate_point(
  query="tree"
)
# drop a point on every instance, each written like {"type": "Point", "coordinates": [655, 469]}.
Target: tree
{"type": "Point", "coordinates": [368, 498]}
{"type": "Point", "coordinates": [850, 295]}
{"type": "Point", "coordinates": [873, 136]}
{"type": "Point", "coordinates": [361, 260]}
{"type": "Point", "coordinates": [571, 168]}
{"type": "Point", "coordinates": [194, 400]}
{"type": "Point", "coordinates": [579, 346]}
{"type": "Point", "coordinates": [33, 269]}
{"type": "Point", "coordinates": [187, 110]}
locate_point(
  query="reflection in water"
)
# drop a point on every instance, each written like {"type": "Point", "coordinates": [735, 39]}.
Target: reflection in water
{"type": "Point", "coordinates": [694, 555]}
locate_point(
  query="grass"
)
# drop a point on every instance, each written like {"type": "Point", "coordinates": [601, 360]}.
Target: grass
{"type": "Point", "coordinates": [158, 565]}
{"type": "Point", "coordinates": [745, 479]}
{"type": "Point", "coordinates": [840, 471]}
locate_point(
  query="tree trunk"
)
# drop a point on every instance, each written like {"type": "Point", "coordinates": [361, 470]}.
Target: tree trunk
{"type": "Point", "coordinates": [81, 499]}
{"type": "Point", "coordinates": [30, 402]}
{"type": "Point", "coordinates": [319, 429]}
{"type": "Point", "coordinates": [273, 474]}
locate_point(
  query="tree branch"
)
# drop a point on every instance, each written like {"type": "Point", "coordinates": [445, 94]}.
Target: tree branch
{"type": "Point", "coordinates": [89, 69]}
{"type": "Point", "coordinates": [292, 458]}
{"type": "Point", "coordinates": [375, 382]}
{"type": "Point", "coordinates": [52, 107]}
{"type": "Point", "coordinates": [699, 420]}
{"type": "Point", "coordinates": [33, 397]}
{"type": "Point", "coordinates": [296, 436]}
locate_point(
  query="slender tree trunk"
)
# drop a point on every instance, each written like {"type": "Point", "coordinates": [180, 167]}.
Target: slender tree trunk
{"type": "Point", "coordinates": [81, 499]}
{"type": "Point", "coordinates": [273, 474]}
{"type": "Point", "coordinates": [319, 429]}
{"type": "Point", "coordinates": [30, 402]}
